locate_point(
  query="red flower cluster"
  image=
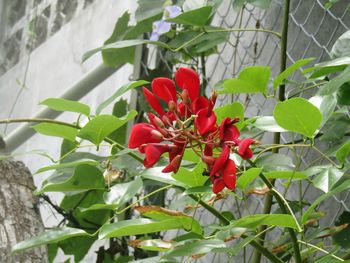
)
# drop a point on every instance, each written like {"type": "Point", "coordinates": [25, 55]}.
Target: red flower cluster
{"type": "Point", "coordinates": [189, 122]}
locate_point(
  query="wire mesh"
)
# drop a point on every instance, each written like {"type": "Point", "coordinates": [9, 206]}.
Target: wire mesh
{"type": "Point", "coordinates": [313, 30]}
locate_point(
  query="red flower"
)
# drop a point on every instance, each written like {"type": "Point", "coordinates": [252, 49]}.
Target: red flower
{"type": "Point", "coordinates": [221, 160]}
{"type": "Point", "coordinates": [153, 151]}
{"type": "Point", "coordinates": [164, 88]}
{"type": "Point", "coordinates": [142, 133]}
{"type": "Point", "coordinates": [228, 131]}
{"type": "Point", "coordinates": [200, 103]}
{"type": "Point", "coordinates": [243, 148]}
{"type": "Point", "coordinates": [187, 78]}
{"type": "Point", "coordinates": [218, 185]}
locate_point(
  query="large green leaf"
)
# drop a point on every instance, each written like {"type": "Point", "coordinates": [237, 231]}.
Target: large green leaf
{"type": "Point", "coordinates": [329, 67]}
{"type": "Point", "coordinates": [326, 105]}
{"type": "Point", "coordinates": [137, 227]}
{"type": "Point", "coordinates": [118, 195]}
{"type": "Point", "coordinates": [288, 71]}
{"type": "Point", "coordinates": [152, 244]}
{"type": "Point", "coordinates": [341, 47]}
{"type": "Point", "coordinates": [118, 93]}
{"type": "Point", "coordinates": [160, 214]}
{"type": "Point", "coordinates": [343, 152]}
{"type": "Point", "coordinates": [101, 126]}
{"type": "Point", "coordinates": [256, 220]}
{"type": "Point", "coordinates": [275, 162]}
{"type": "Point", "coordinates": [247, 177]}
{"type": "Point", "coordinates": [285, 175]}
{"type": "Point", "coordinates": [196, 17]}
{"type": "Point", "coordinates": [250, 80]}
{"type": "Point", "coordinates": [232, 110]}
{"type": "Point", "coordinates": [49, 236]}
{"type": "Point", "coordinates": [345, 185]}
{"type": "Point", "coordinates": [197, 247]}
{"type": "Point", "coordinates": [335, 83]}
{"type": "Point", "coordinates": [191, 177]}
{"type": "Point", "coordinates": [147, 9]}
{"type": "Point", "coordinates": [298, 115]}
{"type": "Point", "coordinates": [56, 130]}
{"type": "Point", "coordinates": [267, 123]}
{"type": "Point", "coordinates": [77, 246]}
{"type": "Point", "coordinates": [60, 104]}
{"type": "Point", "coordinates": [85, 177]}
{"type": "Point", "coordinates": [156, 174]}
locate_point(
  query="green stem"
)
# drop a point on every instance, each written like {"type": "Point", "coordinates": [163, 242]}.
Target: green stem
{"type": "Point", "coordinates": [321, 249]}
{"type": "Point", "coordinates": [244, 30]}
{"type": "Point", "coordinates": [39, 120]}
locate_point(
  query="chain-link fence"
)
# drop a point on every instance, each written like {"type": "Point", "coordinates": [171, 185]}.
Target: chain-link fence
{"type": "Point", "coordinates": [313, 29]}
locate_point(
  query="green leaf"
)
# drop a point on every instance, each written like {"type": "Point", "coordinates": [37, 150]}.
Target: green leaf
{"type": "Point", "coordinates": [139, 226]}
{"type": "Point", "coordinates": [275, 162]}
{"type": "Point", "coordinates": [67, 165]}
{"type": "Point", "coordinates": [156, 174]}
{"type": "Point", "coordinates": [196, 248]}
{"type": "Point", "coordinates": [118, 195]}
{"type": "Point", "coordinates": [247, 177]}
{"type": "Point", "coordinates": [122, 44]}
{"type": "Point", "coordinates": [118, 93]}
{"type": "Point", "coordinates": [77, 246]}
{"type": "Point", "coordinates": [267, 123]}
{"type": "Point", "coordinates": [191, 177]}
{"type": "Point", "coordinates": [326, 105]}
{"type": "Point", "coordinates": [56, 130]}
{"type": "Point", "coordinates": [328, 67]}
{"type": "Point", "coordinates": [196, 17]}
{"type": "Point", "coordinates": [256, 220]}
{"type": "Point", "coordinates": [288, 71]}
{"type": "Point", "coordinates": [343, 94]}
{"type": "Point", "coordinates": [285, 175]}
{"type": "Point", "coordinates": [49, 236]}
{"type": "Point", "coordinates": [335, 83]}
{"type": "Point", "coordinates": [101, 126]}
{"type": "Point", "coordinates": [326, 178]}
{"type": "Point", "coordinates": [337, 189]}
{"type": "Point", "coordinates": [298, 115]}
{"type": "Point", "coordinates": [198, 190]}
{"type": "Point", "coordinates": [232, 110]}
{"type": "Point", "coordinates": [120, 108]}
{"type": "Point", "coordinates": [342, 238]}
{"type": "Point", "coordinates": [160, 214]}
{"type": "Point", "coordinates": [152, 244]}
{"type": "Point", "coordinates": [250, 80]}
{"type": "Point", "coordinates": [341, 47]}
{"type": "Point", "coordinates": [343, 152]}
{"type": "Point", "coordinates": [85, 177]}
{"type": "Point", "coordinates": [147, 9]}
{"type": "Point", "coordinates": [60, 104]}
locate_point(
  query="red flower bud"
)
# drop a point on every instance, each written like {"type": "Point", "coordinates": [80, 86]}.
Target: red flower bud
{"type": "Point", "coordinates": [174, 165]}
{"type": "Point", "coordinates": [209, 160]}
{"type": "Point", "coordinates": [172, 105]}
{"type": "Point", "coordinates": [185, 97]}
{"type": "Point", "coordinates": [188, 79]}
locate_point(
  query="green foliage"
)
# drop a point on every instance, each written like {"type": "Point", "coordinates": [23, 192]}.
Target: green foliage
{"type": "Point", "coordinates": [196, 17]}
{"type": "Point", "coordinates": [59, 104]}
{"type": "Point", "coordinates": [342, 238]}
{"type": "Point", "coordinates": [101, 126]}
{"type": "Point", "coordinates": [232, 110]}
{"type": "Point", "coordinates": [298, 115]}
{"type": "Point", "coordinates": [56, 130]}
{"type": "Point", "coordinates": [250, 80]}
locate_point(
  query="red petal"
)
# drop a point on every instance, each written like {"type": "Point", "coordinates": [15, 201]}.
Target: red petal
{"type": "Point", "coordinates": [174, 165]}
{"type": "Point", "coordinates": [203, 122]}
{"type": "Point", "coordinates": [142, 133]}
{"type": "Point", "coordinates": [221, 160]}
{"type": "Point", "coordinates": [200, 103]}
{"type": "Point", "coordinates": [187, 78]}
{"type": "Point", "coordinates": [243, 148]}
{"type": "Point", "coordinates": [218, 185]}
{"type": "Point", "coordinates": [153, 153]}
{"type": "Point", "coordinates": [164, 88]}
{"type": "Point", "coordinates": [153, 102]}
{"type": "Point", "coordinates": [228, 131]}
{"type": "Point", "coordinates": [229, 174]}
{"type": "Point", "coordinates": [208, 150]}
